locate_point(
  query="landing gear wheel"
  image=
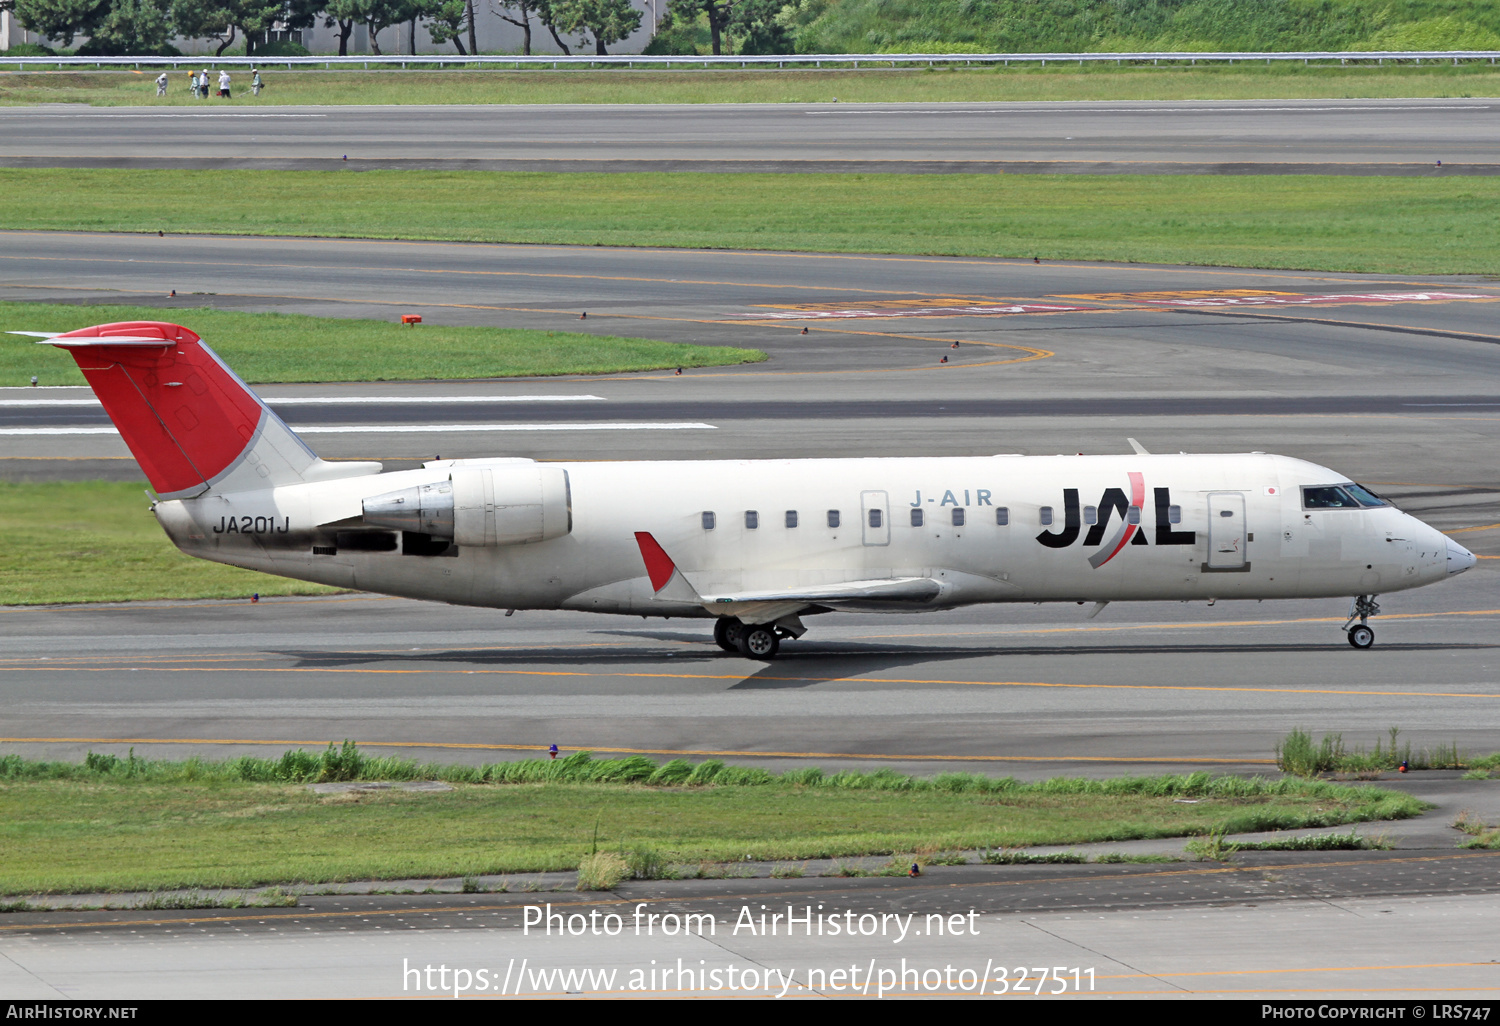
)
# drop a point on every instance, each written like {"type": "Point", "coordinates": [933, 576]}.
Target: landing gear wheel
{"type": "Point", "coordinates": [1361, 636]}
{"type": "Point", "coordinates": [759, 641]}
{"type": "Point", "coordinates": [727, 631]}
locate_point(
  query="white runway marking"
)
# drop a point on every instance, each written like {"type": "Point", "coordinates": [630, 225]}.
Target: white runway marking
{"type": "Point", "coordinates": [366, 429]}
{"type": "Point", "coordinates": [353, 400]}
{"type": "Point", "coordinates": [143, 114]}
{"type": "Point", "coordinates": [398, 429]}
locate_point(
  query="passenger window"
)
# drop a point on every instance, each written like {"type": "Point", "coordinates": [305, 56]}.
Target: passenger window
{"type": "Point", "coordinates": [875, 518]}
{"type": "Point", "coordinates": [1002, 515]}
{"type": "Point", "coordinates": [833, 518]}
{"type": "Point", "coordinates": [791, 518]}
{"type": "Point", "coordinates": [708, 520]}
{"type": "Point", "coordinates": [916, 518]}
{"type": "Point", "coordinates": [1046, 512]}
{"type": "Point", "coordinates": [1133, 514]}
{"type": "Point", "coordinates": [1091, 514]}
{"type": "Point", "coordinates": [958, 516]}
{"type": "Point", "coordinates": [1327, 498]}
{"type": "Point", "coordinates": [1174, 514]}
{"type": "Point", "coordinates": [752, 519]}
{"type": "Point", "coordinates": [1226, 512]}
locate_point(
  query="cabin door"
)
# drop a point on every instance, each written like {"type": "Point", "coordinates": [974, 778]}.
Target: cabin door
{"type": "Point", "coordinates": [1226, 530]}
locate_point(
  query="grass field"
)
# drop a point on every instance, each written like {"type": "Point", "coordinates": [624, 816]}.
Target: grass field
{"type": "Point", "coordinates": [867, 85]}
{"type": "Point", "coordinates": [1381, 224]}
{"type": "Point", "coordinates": [128, 826]}
{"type": "Point", "coordinates": [96, 541]}
{"type": "Point", "coordinates": [267, 347]}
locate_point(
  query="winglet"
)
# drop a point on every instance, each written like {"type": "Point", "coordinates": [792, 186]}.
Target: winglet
{"type": "Point", "coordinates": [666, 580]}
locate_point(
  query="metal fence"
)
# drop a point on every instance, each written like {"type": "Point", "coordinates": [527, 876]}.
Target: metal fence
{"type": "Point", "coordinates": [801, 60]}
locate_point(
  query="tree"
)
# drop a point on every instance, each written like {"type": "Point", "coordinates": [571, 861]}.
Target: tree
{"type": "Point", "coordinates": [719, 12]}
{"type": "Point", "coordinates": [608, 21]}
{"type": "Point", "coordinates": [756, 25]}
{"type": "Point", "coordinates": [523, 9]}
{"type": "Point", "coordinates": [547, 14]}
{"type": "Point", "coordinates": [59, 19]}
{"type": "Point", "coordinates": [379, 14]}
{"type": "Point", "coordinates": [345, 15]}
{"type": "Point", "coordinates": [115, 27]}
{"type": "Point", "coordinates": [224, 19]}
{"type": "Point", "coordinates": [448, 20]}
{"type": "Point", "coordinates": [131, 27]}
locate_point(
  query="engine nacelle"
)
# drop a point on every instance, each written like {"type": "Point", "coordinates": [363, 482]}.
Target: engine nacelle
{"type": "Point", "coordinates": [505, 505]}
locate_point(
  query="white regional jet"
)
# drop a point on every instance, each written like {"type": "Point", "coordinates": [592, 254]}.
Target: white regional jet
{"type": "Point", "coordinates": [755, 545]}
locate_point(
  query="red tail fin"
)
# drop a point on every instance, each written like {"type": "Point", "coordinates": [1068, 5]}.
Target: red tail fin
{"type": "Point", "coordinates": [188, 419]}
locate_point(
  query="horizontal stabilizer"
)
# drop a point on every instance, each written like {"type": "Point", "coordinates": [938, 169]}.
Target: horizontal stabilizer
{"type": "Point", "coordinates": [189, 420]}
{"type": "Point", "coordinates": [61, 341]}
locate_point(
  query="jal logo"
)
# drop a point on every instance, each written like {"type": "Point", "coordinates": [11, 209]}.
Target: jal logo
{"type": "Point", "coordinates": [1115, 504]}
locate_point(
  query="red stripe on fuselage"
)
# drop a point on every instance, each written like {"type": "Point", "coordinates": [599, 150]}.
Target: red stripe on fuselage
{"type": "Point", "coordinates": [184, 416]}
{"type": "Point", "coordinates": [1137, 498]}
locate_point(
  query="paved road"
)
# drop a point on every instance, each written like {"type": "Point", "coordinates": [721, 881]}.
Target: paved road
{"type": "Point", "coordinates": [1327, 136]}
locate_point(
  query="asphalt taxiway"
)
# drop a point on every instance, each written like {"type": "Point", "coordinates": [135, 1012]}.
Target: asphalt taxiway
{"type": "Point", "coordinates": [1393, 380]}
{"type": "Point", "coordinates": [1447, 136]}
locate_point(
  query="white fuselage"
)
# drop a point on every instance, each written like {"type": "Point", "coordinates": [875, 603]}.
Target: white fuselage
{"type": "Point", "coordinates": [1231, 526]}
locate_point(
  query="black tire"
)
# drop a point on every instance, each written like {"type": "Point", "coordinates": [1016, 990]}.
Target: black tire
{"type": "Point", "coordinates": [727, 631]}
{"type": "Point", "coordinates": [1361, 636]}
{"type": "Point", "coordinates": [759, 641]}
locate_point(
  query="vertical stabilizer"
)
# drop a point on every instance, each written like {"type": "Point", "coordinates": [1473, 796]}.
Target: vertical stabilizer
{"type": "Point", "coordinates": [188, 419]}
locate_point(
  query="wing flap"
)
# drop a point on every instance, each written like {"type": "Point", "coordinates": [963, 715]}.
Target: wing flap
{"type": "Point", "coordinates": [885, 589]}
{"type": "Point", "coordinates": [669, 585]}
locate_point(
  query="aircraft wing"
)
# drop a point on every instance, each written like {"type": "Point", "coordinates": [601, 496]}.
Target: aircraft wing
{"type": "Point", "coordinates": [769, 604]}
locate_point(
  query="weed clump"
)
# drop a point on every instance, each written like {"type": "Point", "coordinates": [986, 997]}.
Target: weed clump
{"type": "Point", "coordinates": [1298, 755]}
{"type": "Point", "coordinates": [601, 871]}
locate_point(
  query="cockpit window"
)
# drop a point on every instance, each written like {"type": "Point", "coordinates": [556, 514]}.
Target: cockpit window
{"type": "Point", "coordinates": [1364, 496]}
{"type": "Point", "coordinates": [1327, 497]}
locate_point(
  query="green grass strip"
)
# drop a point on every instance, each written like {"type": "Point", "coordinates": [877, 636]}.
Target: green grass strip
{"type": "Point", "coordinates": [131, 824]}
{"type": "Point", "coordinates": [271, 347]}
{"type": "Point", "coordinates": [1342, 223]}
{"type": "Point", "coordinates": [867, 85]}
{"type": "Point", "coordinates": [95, 541]}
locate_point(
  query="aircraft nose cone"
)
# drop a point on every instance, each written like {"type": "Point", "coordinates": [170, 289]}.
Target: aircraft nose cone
{"type": "Point", "coordinates": [1459, 558]}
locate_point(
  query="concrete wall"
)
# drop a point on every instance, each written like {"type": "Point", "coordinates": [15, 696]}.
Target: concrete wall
{"type": "Point", "coordinates": [493, 34]}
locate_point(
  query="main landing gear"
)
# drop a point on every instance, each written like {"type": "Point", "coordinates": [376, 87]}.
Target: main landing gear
{"type": "Point", "coordinates": [753, 641]}
{"type": "Point", "coordinates": [1361, 635]}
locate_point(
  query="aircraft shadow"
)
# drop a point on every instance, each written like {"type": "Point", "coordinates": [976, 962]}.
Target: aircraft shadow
{"type": "Point", "coordinates": [807, 664]}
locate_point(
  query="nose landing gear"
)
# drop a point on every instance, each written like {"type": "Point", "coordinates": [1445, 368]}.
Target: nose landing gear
{"type": "Point", "coordinates": [1361, 635]}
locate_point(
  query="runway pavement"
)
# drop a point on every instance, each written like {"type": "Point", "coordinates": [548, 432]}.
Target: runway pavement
{"type": "Point", "coordinates": [1402, 136]}
{"type": "Point", "coordinates": [1395, 382]}
{"type": "Point", "coordinates": [1392, 380]}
